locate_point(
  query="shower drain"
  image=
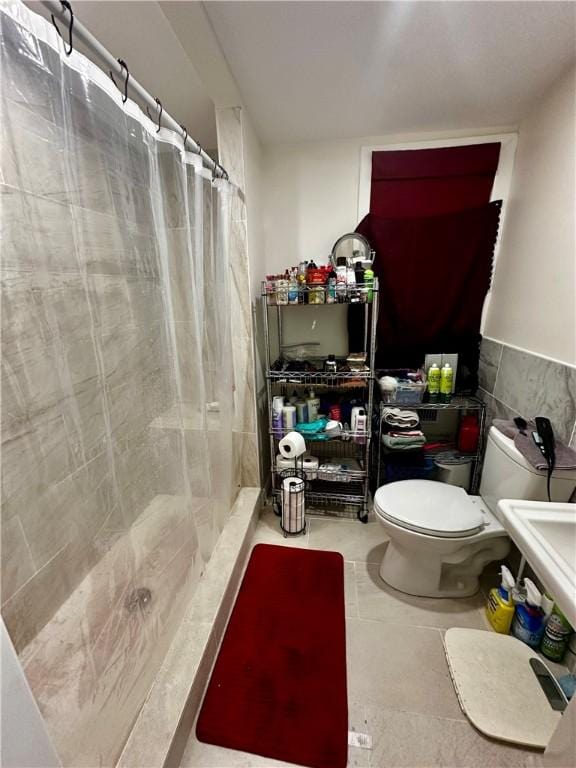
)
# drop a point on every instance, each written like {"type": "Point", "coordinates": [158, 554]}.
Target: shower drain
{"type": "Point", "coordinates": [138, 598]}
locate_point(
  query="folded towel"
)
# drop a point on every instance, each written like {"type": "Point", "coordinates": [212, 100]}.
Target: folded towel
{"type": "Point", "coordinates": [565, 457]}
{"type": "Point", "coordinates": [403, 443]}
{"type": "Point", "coordinates": [395, 417]}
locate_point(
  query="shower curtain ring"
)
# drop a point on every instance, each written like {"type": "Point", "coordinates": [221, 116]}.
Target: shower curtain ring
{"type": "Point", "coordinates": [185, 134]}
{"type": "Point", "coordinates": [66, 7]}
{"type": "Point", "coordinates": [123, 65]}
{"type": "Point", "coordinates": [159, 104]}
{"type": "Point", "coordinates": [223, 174]}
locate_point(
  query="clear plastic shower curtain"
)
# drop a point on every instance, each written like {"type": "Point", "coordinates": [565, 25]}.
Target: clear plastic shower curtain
{"type": "Point", "coordinates": [116, 385]}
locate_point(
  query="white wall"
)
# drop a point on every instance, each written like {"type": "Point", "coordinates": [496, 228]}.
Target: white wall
{"type": "Point", "coordinates": [534, 292]}
{"type": "Point", "coordinates": [311, 193]}
{"type": "Point", "coordinates": [310, 199]}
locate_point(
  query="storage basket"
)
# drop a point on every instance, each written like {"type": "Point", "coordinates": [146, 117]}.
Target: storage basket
{"type": "Point", "coordinates": [395, 472]}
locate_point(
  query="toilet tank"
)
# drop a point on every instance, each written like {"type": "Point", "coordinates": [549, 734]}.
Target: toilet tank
{"type": "Point", "coordinates": [506, 474]}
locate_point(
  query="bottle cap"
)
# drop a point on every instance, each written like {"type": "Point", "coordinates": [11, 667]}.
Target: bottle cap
{"type": "Point", "coordinates": [508, 580]}
{"type": "Point", "coordinates": [533, 594]}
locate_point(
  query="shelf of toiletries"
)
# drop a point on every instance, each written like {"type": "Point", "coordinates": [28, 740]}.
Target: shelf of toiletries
{"type": "Point", "coordinates": [330, 371]}
{"type": "Point", "coordinates": [325, 401]}
{"type": "Point", "coordinates": [347, 379]}
{"type": "Point", "coordinates": [323, 290]}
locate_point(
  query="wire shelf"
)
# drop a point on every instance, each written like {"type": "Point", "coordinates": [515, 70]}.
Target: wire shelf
{"type": "Point", "coordinates": [342, 477]}
{"type": "Point", "coordinates": [349, 379]}
{"type": "Point", "coordinates": [318, 294]}
{"type": "Point", "coordinates": [458, 402]}
{"type": "Point", "coordinates": [347, 438]}
{"type": "Point", "coordinates": [331, 497]}
{"type": "Point", "coordinates": [333, 493]}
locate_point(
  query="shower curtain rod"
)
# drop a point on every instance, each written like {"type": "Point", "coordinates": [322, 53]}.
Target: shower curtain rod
{"type": "Point", "coordinates": [111, 63]}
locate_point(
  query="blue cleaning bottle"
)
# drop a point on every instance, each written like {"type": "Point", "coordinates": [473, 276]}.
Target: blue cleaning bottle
{"type": "Point", "coordinates": [529, 620]}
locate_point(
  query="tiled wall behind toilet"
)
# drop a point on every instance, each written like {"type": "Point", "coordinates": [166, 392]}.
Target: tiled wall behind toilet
{"type": "Point", "coordinates": [515, 383]}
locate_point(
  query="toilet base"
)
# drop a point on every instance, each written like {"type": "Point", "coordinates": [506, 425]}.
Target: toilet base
{"type": "Point", "coordinates": [433, 575]}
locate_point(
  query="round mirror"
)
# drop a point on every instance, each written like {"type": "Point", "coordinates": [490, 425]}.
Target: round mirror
{"type": "Point", "coordinates": [352, 247]}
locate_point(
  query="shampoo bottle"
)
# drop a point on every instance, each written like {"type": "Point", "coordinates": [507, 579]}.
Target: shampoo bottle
{"type": "Point", "coordinates": [369, 281]}
{"type": "Point", "coordinates": [446, 377]}
{"type": "Point", "coordinates": [433, 383]}
{"type": "Point", "coordinates": [528, 624]}
{"type": "Point", "coordinates": [500, 605]}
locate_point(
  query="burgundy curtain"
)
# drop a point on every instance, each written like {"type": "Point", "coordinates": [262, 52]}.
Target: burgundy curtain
{"type": "Point", "coordinates": [434, 232]}
{"type": "Point", "coordinates": [434, 273]}
{"type": "Point", "coordinates": [429, 182]}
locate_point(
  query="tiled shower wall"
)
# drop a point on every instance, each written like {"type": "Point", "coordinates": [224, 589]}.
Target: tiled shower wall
{"type": "Point", "coordinates": [515, 383]}
{"type": "Point", "coordinates": [231, 156]}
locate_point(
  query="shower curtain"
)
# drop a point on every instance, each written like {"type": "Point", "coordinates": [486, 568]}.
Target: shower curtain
{"type": "Point", "coordinates": [116, 385]}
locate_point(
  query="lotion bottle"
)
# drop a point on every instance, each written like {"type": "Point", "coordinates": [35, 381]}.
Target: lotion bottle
{"type": "Point", "coordinates": [313, 404]}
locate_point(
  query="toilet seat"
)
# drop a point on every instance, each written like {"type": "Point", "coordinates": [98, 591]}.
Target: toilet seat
{"type": "Point", "coordinates": [429, 507]}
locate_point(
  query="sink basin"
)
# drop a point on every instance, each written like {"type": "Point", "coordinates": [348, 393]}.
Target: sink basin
{"type": "Point", "coordinates": [545, 533]}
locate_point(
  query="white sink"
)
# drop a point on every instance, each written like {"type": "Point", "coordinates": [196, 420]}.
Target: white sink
{"type": "Point", "coordinates": [545, 533]}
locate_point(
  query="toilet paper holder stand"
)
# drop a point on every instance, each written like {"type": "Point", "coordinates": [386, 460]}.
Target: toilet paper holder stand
{"type": "Point", "coordinates": [292, 506]}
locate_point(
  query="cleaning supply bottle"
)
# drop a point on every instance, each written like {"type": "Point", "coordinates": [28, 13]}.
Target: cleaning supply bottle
{"type": "Point", "coordinates": [528, 624]}
{"type": "Point", "coordinates": [500, 606]}
{"type": "Point", "coordinates": [446, 378]}
{"type": "Point", "coordinates": [556, 635]}
{"type": "Point", "coordinates": [433, 383]}
{"type": "Point", "coordinates": [313, 404]}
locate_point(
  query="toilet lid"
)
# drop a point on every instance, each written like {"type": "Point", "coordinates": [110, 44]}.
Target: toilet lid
{"type": "Point", "coordinates": [430, 507]}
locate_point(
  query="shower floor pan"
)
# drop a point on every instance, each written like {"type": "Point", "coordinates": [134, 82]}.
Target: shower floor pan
{"type": "Point", "coordinates": [90, 670]}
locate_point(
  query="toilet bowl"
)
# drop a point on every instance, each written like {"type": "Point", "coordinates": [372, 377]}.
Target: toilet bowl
{"type": "Point", "coordinates": [441, 538]}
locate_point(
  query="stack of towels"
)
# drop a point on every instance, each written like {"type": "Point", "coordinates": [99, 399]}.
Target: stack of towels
{"type": "Point", "coordinates": [402, 431]}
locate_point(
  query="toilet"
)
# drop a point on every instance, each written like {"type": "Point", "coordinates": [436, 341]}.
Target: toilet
{"type": "Point", "coordinates": [441, 538]}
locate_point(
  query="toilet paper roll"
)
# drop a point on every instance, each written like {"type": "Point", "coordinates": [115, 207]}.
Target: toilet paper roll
{"type": "Point", "coordinates": [282, 463]}
{"type": "Point", "coordinates": [310, 466]}
{"type": "Point", "coordinates": [292, 445]}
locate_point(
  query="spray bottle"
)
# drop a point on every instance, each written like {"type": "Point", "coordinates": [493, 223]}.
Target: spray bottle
{"type": "Point", "coordinates": [529, 619]}
{"type": "Point", "coordinates": [500, 605]}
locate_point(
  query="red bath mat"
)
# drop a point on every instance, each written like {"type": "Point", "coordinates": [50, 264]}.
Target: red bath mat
{"type": "Point", "coordinates": [278, 688]}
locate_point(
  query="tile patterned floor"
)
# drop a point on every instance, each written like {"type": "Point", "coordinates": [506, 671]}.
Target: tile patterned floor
{"type": "Point", "coordinates": [399, 687]}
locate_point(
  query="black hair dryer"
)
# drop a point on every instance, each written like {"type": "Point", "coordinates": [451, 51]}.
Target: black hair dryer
{"type": "Point", "coordinates": [544, 439]}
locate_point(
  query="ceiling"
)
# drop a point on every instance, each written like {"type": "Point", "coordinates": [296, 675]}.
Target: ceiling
{"type": "Point", "coordinates": [139, 32]}
{"type": "Point", "coordinates": [310, 71]}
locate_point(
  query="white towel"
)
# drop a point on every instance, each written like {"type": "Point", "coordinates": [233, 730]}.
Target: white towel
{"type": "Point", "coordinates": [395, 417]}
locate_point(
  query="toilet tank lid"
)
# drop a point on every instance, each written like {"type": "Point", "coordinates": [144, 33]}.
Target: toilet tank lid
{"type": "Point", "coordinates": [428, 505]}
{"type": "Point", "coordinates": [506, 445]}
